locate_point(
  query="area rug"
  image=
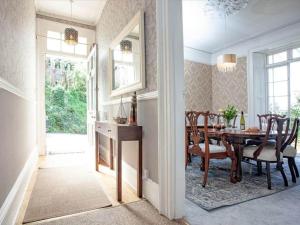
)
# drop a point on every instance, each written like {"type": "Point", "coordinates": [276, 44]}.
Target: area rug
{"type": "Point", "coordinates": [64, 191]}
{"type": "Point", "coordinates": [136, 213]}
{"type": "Point", "coordinates": [220, 192]}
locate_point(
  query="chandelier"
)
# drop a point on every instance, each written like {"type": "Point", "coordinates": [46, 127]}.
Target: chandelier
{"type": "Point", "coordinates": [226, 63]}
{"type": "Point", "coordinates": [225, 7]}
{"type": "Point", "coordinates": [71, 35]}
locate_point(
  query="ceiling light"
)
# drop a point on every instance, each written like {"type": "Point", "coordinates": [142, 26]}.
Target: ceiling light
{"type": "Point", "coordinates": [71, 35]}
{"type": "Point", "coordinates": [226, 63]}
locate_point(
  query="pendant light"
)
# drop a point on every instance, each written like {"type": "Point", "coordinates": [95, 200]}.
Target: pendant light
{"type": "Point", "coordinates": [126, 46]}
{"type": "Point", "coordinates": [71, 35]}
{"type": "Point", "coordinates": [226, 62]}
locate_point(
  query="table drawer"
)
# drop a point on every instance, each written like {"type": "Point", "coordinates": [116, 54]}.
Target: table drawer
{"type": "Point", "coordinates": [105, 129]}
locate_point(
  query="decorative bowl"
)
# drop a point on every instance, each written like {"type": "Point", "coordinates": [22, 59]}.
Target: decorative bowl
{"type": "Point", "coordinates": [120, 120]}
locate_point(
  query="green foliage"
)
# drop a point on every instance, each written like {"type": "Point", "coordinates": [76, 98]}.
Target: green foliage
{"type": "Point", "coordinates": [230, 112]}
{"type": "Point", "coordinates": [65, 98]}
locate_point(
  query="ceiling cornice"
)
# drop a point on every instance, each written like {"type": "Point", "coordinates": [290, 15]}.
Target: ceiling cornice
{"type": "Point", "coordinates": [65, 21]}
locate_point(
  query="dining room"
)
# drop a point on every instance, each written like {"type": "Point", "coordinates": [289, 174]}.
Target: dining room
{"type": "Point", "coordinates": [242, 108]}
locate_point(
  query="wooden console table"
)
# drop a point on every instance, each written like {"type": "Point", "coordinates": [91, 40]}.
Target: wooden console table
{"type": "Point", "coordinates": [118, 133]}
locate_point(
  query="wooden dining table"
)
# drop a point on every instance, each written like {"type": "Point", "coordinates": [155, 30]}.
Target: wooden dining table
{"type": "Point", "coordinates": [236, 137]}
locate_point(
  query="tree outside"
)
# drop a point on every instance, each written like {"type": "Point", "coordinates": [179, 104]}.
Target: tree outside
{"type": "Point", "coordinates": [65, 96]}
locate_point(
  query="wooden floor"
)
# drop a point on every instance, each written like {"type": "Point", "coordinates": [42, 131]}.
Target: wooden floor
{"type": "Point", "coordinates": [106, 176]}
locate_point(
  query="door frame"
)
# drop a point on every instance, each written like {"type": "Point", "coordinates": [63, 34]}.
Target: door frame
{"type": "Point", "coordinates": [40, 87]}
{"type": "Point", "coordinates": [171, 108]}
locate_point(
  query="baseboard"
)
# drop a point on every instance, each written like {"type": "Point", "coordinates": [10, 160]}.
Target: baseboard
{"type": "Point", "coordinates": [11, 206]}
{"type": "Point", "coordinates": [150, 192]}
{"type": "Point", "coordinates": [150, 188]}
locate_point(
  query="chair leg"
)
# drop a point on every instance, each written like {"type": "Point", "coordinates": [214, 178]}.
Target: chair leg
{"type": "Point", "coordinates": [259, 168]}
{"type": "Point", "coordinates": [206, 166]}
{"type": "Point", "coordinates": [283, 174]}
{"type": "Point", "coordinates": [268, 175]}
{"type": "Point", "coordinates": [291, 166]}
{"type": "Point", "coordinates": [233, 169]}
{"type": "Point", "coordinates": [202, 166]}
{"type": "Point", "coordinates": [295, 167]}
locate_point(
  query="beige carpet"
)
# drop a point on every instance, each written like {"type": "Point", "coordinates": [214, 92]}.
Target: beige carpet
{"type": "Point", "coordinates": [136, 213]}
{"type": "Point", "coordinates": [64, 191]}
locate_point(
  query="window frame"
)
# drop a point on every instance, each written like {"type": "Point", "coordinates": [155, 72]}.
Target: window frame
{"type": "Point", "coordinates": [286, 63]}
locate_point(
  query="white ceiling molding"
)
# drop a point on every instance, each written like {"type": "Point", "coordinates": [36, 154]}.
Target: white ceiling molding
{"type": "Point", "coordinates": [83, 11]}
{"type": "Point", "coordinates": [205, 32]}
{"type": "Point", "coordinates": [196, 55]}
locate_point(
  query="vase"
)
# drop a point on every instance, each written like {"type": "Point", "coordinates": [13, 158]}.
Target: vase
{"type": "Point", "coordinates": [229, 123]}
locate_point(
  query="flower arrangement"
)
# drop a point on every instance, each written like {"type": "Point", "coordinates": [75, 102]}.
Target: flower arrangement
{"type": "Point", "coordinates": [230, 113]}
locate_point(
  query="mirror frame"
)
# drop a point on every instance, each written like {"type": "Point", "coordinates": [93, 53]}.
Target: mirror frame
{"type": "Point", "coordinates": [138, 19]}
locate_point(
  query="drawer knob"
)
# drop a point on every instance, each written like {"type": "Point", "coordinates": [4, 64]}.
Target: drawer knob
{"type": "Point", "coordinates": [108, 130]}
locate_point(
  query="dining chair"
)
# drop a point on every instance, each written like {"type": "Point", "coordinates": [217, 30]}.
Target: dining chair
{"type": "Point", "coordinates": [263, 119]}
{"type": "Point", "coordinates": [201, 147]}
{"type": "Point", "coordinates": [270, 153]}
{"type": "Point", "coordinates": [290, 151]}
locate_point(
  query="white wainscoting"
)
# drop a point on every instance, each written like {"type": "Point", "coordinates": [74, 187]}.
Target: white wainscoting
{"type": "Point", "coordinates": [11, 206]}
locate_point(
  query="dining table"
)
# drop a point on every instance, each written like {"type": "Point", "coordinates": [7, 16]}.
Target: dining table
{"type": "Point", "coordinates": [236, 137]}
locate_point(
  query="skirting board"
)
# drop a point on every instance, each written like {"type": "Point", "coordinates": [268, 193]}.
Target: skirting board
{"type": "Point", "coordinates": [11, 206]}
{"type": "Point", "coordinates": [150, 188]}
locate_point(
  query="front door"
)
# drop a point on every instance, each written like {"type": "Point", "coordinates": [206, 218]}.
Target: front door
{"type": "Point", "coordinates": [92, 101]}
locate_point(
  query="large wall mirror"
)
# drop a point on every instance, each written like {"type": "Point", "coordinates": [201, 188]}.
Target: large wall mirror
{"type": "Point", "coordinates": [127, 58]}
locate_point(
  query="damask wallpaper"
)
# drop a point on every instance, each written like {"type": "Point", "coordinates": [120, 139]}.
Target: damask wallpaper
{"type": "Point", "coordinates": [114, 18]}
{"type": "Point", "coordinates": [17, 43]}
{"type": "Point", "coordinates": [230, 88]}
{"type": "Point", "coordinates": [198, 86]}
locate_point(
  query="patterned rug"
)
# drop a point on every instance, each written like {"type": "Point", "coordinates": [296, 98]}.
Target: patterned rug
{"type": "Point", "coordinates": [220, 192]}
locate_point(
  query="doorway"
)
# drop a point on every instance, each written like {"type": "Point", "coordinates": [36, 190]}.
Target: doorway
{"type": "Point", "coordinates": [65, 105]}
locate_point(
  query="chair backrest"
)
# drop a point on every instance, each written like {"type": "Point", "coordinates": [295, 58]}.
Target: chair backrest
{"type": "Point", "coordinates": [281, 134]}
{"type": "Point", "coordinates": [192, 117]}
{"type": "Point", "coordinates": [293, 136]}
{"type": "Point", "coordinates": [264, 118]}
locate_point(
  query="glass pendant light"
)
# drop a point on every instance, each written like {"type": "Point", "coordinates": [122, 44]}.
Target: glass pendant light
{"type": "Point", "coordinates": [71, 35]}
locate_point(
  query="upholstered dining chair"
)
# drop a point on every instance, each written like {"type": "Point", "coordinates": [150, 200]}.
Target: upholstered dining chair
{"type": "Point", "coordinates": [290, 151]}
{"type": "Point", "coordinates": [270, 153]}
{"type": "Point", "coordinates": [263, 118]}
{"type": "Point", "coordinates": [200, 145]}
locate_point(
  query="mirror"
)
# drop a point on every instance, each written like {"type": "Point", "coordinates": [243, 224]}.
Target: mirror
{"type": "Point", "coordinates": [127, 58]}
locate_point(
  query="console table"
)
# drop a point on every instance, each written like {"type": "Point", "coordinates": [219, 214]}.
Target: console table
{"type": "Point", "coordinates": [118, 133]}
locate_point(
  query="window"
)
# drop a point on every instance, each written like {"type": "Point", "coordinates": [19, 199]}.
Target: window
{"type": "Point", "coordinates": [55, 42]}
{"type": "Point", "coordinates": [283, 79]}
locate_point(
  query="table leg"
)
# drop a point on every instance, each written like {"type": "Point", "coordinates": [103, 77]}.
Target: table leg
{"type": "Point", "coordinates": [119, 171]}
{"type": "Point", "coordinates": [238, 148]}
{"type": "Point", "coordinates": [111, 154]}
{"type": "Point", "coordinates": [140, 170]}
{"type": "Point", "coordinates": [97, 151]}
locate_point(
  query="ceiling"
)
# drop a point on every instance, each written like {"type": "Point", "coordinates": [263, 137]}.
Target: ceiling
{"type": "Point", "coordinates": [207, 32]}
{"type": "Point", "coordinates": [83, 11]}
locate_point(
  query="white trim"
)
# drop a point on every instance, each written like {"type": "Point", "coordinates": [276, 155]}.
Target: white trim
{"type": "Point", "coordinates": [171, 107]}
{"type": "Point", "coordinates": [141, 97]}
{"type": "Point", "coordinates": [196, 55]}
{"type": "Point", "coordinates": [150, 192]}
{"type": "Point", "coordinates": [11, 206]}
{"type": "Point", "coordinates": [4, 84]}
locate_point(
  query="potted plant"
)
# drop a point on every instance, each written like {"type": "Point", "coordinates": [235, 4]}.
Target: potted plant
{"type": "Point", "coordinates": [229, 114]}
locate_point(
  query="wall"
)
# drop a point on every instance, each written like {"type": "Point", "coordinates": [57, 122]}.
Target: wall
{"type": "Point", "coordinates": [115, 16]}
{"type": "Point", "coordinates": [198, 86]}
{"type": "Point", "coordinates": [17, 90]}
{"type": "Point", "coordinates": [231, 87]}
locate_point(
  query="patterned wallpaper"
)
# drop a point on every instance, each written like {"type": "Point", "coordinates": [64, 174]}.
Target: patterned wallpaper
{"type": "Point", "coordinates": [17, 43]}
{"type": "Point", "coordinates": [114, 18]}
{"type": "Point", "coordinates": [230, 88]}
{"type": "Point", "coordinates": [198, 89]}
